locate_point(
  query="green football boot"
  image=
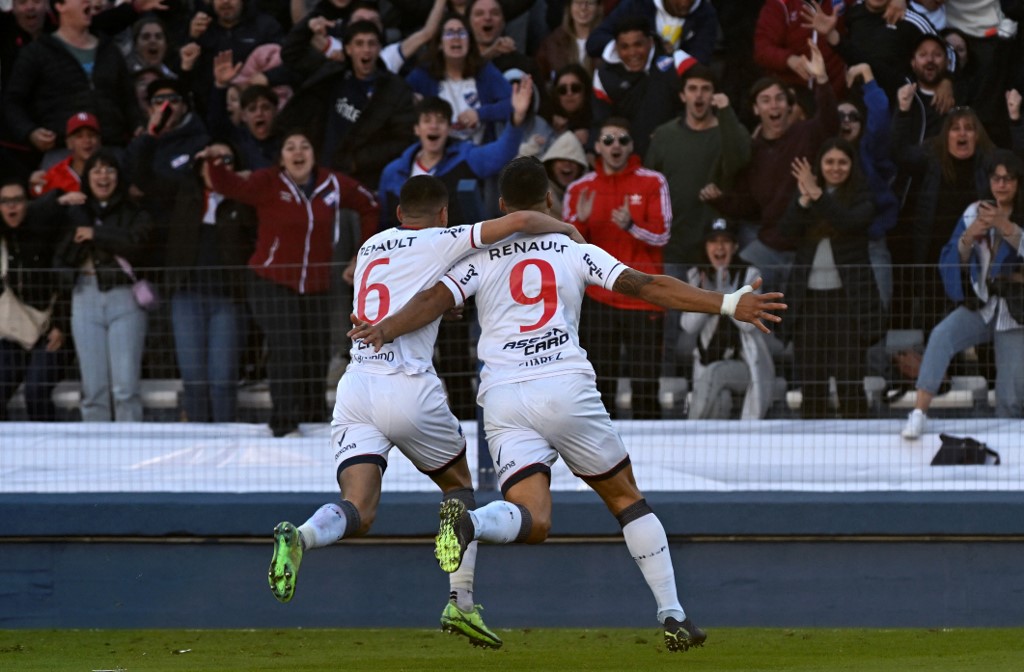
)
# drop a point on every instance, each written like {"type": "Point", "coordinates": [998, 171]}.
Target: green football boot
{"type": "Point", "coordinates": [454, 535]}
{"type": "Point", "coordinates": [469, 624]}
{"type": "Point", "coordinates": [284, 566]}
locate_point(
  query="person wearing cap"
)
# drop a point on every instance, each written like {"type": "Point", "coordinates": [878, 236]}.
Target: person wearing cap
{"type": "Point", "coordinates": [565, 162]}
{"type": "Point", "coordinates": [730, 357]}
{"type": "Point", "coordinates": [82, 137]}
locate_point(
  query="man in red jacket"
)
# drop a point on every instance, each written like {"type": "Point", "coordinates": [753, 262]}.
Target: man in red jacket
{"type": "Point", "coordinates": [624, 209]}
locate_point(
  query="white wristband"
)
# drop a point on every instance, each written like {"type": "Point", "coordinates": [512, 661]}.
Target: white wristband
{"type": "Point", "coordinates": [729, 301]}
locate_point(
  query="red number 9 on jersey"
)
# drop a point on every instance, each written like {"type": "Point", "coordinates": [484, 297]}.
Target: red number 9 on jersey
{"type": "Point", "coordinates": [548, 294]}
{"type": "Point", "coordinates": [383, 295]}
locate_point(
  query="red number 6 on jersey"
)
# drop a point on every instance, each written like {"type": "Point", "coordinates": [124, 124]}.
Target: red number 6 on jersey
{"type": "Point", "coordinates": [548, 294]}
{"type": "Point", "coordinates": [383, 295]}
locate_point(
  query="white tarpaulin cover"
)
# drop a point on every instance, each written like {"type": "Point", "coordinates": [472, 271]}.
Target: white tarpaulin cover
{"type": "Point", "coordinates": [779, 455]}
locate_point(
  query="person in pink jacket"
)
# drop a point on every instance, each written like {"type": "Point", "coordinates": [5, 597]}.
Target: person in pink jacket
{"type": "Point", "coordinates": [297, 205]}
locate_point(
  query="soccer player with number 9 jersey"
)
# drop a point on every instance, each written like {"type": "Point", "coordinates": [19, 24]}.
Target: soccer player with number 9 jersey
{"type": "Point", "coordinates": [538, 388]}
{"type": "Point", "coordinates": [393, 397]}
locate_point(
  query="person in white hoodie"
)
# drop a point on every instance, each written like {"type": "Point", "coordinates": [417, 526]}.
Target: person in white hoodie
{"type": "Point", "coordinates": [730, 358]}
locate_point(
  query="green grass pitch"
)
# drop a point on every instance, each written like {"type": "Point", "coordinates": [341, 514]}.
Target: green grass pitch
{"type": "Point", "coordinates": [533, 650]}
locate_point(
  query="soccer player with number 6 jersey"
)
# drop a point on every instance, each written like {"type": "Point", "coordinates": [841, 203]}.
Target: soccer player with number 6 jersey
{"type": "Point", "coordinates": [538, 388]}
{"type": "Point", "coordinates": [393, 397]}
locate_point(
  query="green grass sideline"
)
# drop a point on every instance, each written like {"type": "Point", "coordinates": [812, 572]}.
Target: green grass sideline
{"type": "Point", "coordinates": [533, 650]}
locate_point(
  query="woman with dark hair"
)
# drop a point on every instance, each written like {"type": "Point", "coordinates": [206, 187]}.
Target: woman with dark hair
{"type": "Point", "coordinates": [567, 108]}
{"type": "Point", "coordinates": [949, 169]}
{"type": "Point", "coordinates": [297, 208]}
{"type": "Point", "coordinates": [965, 79]}
{"type": "Point", "coordinates": [567, 43]}
{"type": "Point", "coordinates": [831, 281]}
{"type": "Point", "coordinates": [150, 48]}
{"type": "Point", "coordinates": [454, 71]}
{"type": "Point", "coordinates": [106, 235]}
{"type": "Point", "coordinates": [27, 232]}
{"type": "Point", "coordinates": [981, 271]}
{"type": "Point", "coordinates": [209, 240]}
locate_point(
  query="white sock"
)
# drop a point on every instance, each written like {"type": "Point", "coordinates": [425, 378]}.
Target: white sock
{"type": "Point", "coordinates": [498, 522]}
{"type": "Point", "coordinates": [325, 527]}
{"type": "Point", "coordinates": [461, 580]}
{"type": "Point", "coordinates": [648, 544]}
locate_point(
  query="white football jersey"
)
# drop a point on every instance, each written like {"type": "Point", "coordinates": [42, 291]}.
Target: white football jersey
{"type": "Point", "coordinates": [391, 268]}
{"type": "Point", "coordinates": [529, 292]}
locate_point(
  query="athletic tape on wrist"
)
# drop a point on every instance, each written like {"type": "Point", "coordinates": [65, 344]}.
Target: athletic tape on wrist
{"type": "Point", "coordinates": [730, 301]}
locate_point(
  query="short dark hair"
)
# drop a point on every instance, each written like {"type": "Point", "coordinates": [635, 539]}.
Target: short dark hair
{"type": "Point", "coordinates": [618, 122]}
{"type": "Point", "coordinates": [523, 182]}
{"type": "Point", "coordinates": [698, 71]}
{"type": "Point", "coordinates": [15, 181]}
{"type": "Point", "coordinates": [630, 23]}
{"type": "Point", "coordinates": [361, 27]}
{"type": "Point", "coordinates": [104, 156]}
{"type": "Point", "coordinates": [422, 196]}
{"type": "Point", "coordinates": [254, 92]}
{"type": "Point", "coordinates": [433, 105]}
{"type": "Point", "coordinates": [765, 83]}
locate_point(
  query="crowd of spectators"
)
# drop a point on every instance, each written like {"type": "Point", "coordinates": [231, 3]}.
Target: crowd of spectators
{"type": "Point", "coordinates": [838, 149]}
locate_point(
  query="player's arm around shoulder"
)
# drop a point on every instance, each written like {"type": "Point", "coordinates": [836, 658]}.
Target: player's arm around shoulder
{"type": "Point", "coordinates": [662, 290]}
{"type": "Point", "coordinates": [525, 221]}
{"type": "Point", "coordinates": [421, 310]}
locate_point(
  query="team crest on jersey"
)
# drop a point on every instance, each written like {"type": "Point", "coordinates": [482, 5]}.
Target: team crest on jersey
{"type": "Point", "coordinates": [286, 196]}
{"type": "Point", "coordinates": [664, 63]}
{"type": "Point", "coordinates": [331, 198]}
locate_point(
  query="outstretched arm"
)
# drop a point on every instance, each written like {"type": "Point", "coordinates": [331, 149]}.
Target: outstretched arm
{"type": "Point", "coordinates": [668, 292]}
{"type": "Point", "coordinates": [525, 221]}
{"type": "Point", "coordinates": [421, 310]}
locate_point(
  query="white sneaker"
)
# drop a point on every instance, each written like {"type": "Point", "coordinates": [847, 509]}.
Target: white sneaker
{"type": "Point", "coordinates": [915, 424]}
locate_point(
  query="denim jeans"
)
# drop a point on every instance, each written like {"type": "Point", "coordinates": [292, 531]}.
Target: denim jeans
{"type": "Point", "coordinates": [110, 332]}
{"type": "Point", "coordinates": [774, 265]}
{"type": "Point", "coordinates": [206, 337]}
{"type": "Point", "coordinates": [881, 267]}
{"type": "Point", "coordinates": [41, 370]}
{"type": "Point", "coordinates": [962, 329]}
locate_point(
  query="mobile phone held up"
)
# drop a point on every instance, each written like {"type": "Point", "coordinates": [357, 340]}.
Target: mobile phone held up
{"type": "Point", "coordinates": [165, 116]}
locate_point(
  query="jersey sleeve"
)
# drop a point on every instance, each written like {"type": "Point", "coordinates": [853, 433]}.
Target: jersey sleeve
{"type": "Point", "coordinates": [463, 279]}
{"type": "Point", "coordinates": [600, 268]}
{"type": "Point", "coordinates": [455, 242]}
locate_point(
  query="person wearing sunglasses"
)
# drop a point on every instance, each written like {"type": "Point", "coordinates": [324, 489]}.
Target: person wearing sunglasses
{"type": "Point", "coordinates": [624, 209]}
{"type": "Point", "coordinates": [568, 104]}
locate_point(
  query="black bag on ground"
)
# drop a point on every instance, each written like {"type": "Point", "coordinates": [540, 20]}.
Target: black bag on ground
{"type": "Point", "coordinates": [965, 450]}
{"type": "Point", "coordinates": [1013, 292]}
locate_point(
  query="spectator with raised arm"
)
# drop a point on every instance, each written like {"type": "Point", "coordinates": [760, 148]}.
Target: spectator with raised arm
{"type": "Point", "coordinates": [762, 193]}
{"type": "Point", "coordinates": [981, 268]}
{"type": "Point", "coordinates": [357, 114]}
{"type": "Point", "coordinates": [254, 135]}
{"type": "Point", "coordinates": [782, 42]}
{"type": "Point", "coordinates": [487, 20]}
{"type": "Point", "coordinates": [82, 138]}
{"type": "Point", "coordinates": [833, 291]}
{"type": "Point", "coordinates": [297, 204]}
{"type": "Point", "coordinates": [209, 240]}
{"type": "Point", "coordinates": [455, 71]}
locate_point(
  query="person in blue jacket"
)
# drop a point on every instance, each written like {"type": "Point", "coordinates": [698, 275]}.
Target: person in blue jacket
{"type": "Point", "coordinates": [981, 268]}
{"type": "Point", "coordinates": [437, 153]}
